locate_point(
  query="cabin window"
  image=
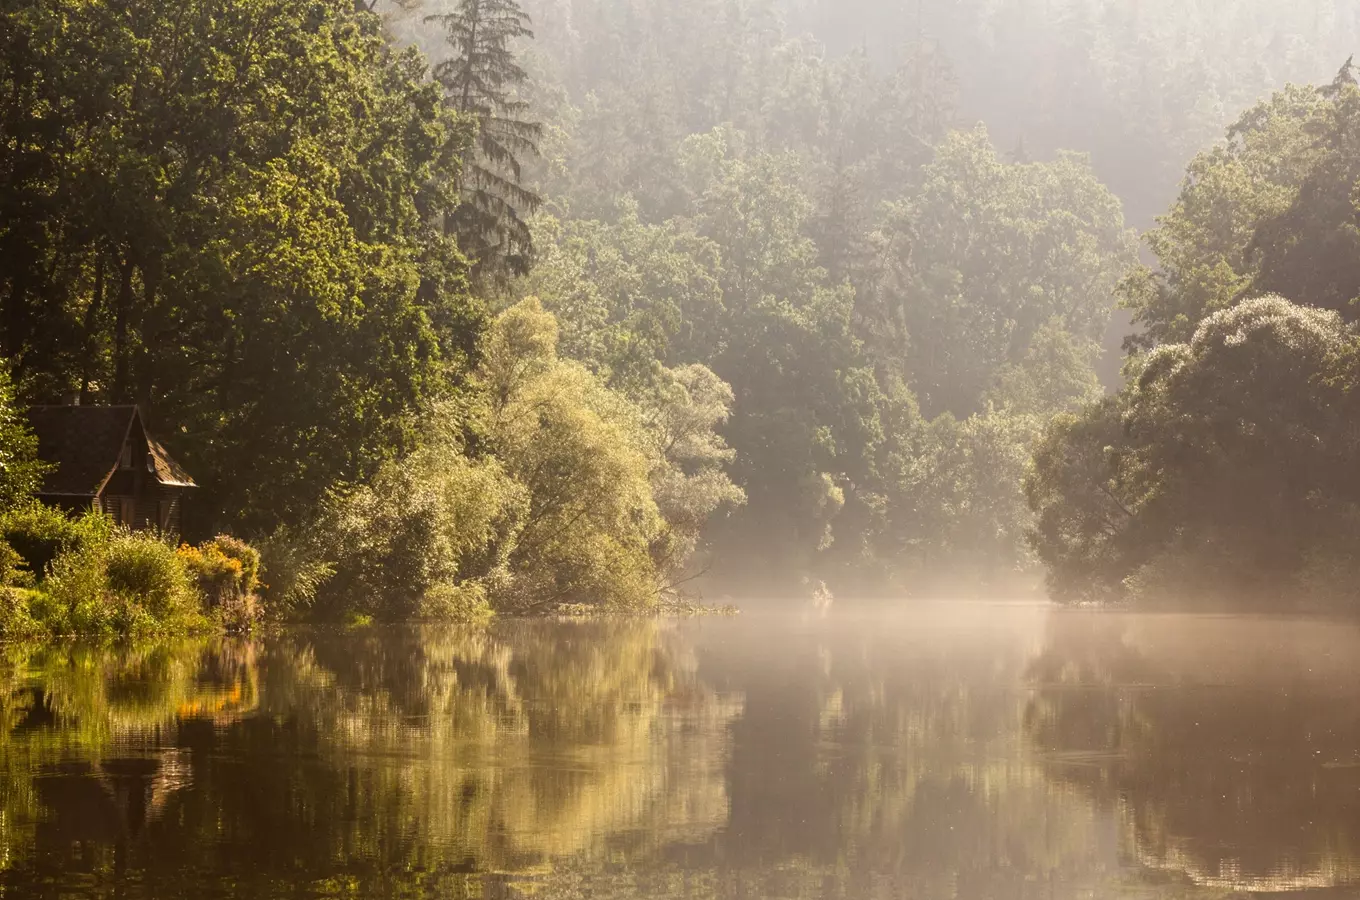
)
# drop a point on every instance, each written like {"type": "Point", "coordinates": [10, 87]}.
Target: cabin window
{"type": "Point", "coordinates": [125, 460]}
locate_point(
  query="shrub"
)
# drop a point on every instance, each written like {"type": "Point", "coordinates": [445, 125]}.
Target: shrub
{"type": "Point", "coordinates": [581, 454]}
{"type": "Point", "coordinates": [244, 554]}
{"type": "Point", "coordinates": [13, 570]}
{"type": "Point", "coordinates": [436, 517]}
{"type": "Point", "coordinates": [293, 570]}
{"type": "Point", "coordinates": [16, 619]}
{"type": "Point", "coordinates": [218, 575]}
{"type": "Point", "coordinates": [77, 586]}
{"type": "Point", "coordinates": [146, 570]}
{"type": "Point", "coordinates": [226, 571]}
{"type": "Point", "coordinates": [131, 584]}
{"type": "Point", "coordinates": [39, 534]}
{"type": "Point", "coordinates": [464, 602]}
{"type": "Point", "coordinates": [49, 614]}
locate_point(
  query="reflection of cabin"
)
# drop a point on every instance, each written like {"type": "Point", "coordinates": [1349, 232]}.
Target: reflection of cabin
{"type": "Point", "coordinates": [107, 801]}
{"type": "Point", "coordinates": [105, 459]}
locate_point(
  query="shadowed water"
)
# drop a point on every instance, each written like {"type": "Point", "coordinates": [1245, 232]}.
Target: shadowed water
{"type": "Point", "coordinates": [976, 751]}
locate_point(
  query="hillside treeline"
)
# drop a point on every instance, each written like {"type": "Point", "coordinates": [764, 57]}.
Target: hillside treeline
{"type": "Point", "coordinates": [457, 306]}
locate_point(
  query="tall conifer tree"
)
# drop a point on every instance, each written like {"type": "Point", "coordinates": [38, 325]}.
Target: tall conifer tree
{"type": "Point", "coordinates": [480, 78]}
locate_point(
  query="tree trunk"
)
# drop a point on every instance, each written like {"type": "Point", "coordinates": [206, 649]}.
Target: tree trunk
{"type": "Point", "coordinates": [121, 364]}
{"type": "Point", "coordinates": [91, 322]}
{"type": "Point", "coordinates": [152, 334]}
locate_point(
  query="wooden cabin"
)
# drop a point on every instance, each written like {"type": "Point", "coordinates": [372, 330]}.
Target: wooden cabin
{"type": "Point", "coordinates": [106, 460]}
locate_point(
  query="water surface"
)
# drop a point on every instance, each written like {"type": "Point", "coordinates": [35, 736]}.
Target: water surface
{"type": "Point", "coordinates": [954, 752]}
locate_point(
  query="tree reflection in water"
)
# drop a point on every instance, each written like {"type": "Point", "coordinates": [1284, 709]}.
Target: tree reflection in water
{"type": "Point", "coordinates": [1229, 747]}
{"type": "Point", "coordinates": [340, 761]}
{"type": "Point", "coordinates": [1000, 752]}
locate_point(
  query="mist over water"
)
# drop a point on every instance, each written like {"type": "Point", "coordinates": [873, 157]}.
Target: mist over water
{"type": "Point", "coordinates": [984, 751]}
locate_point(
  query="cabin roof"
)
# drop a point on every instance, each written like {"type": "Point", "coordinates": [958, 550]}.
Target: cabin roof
{"type": "Point", "coordinates": [86, 442]}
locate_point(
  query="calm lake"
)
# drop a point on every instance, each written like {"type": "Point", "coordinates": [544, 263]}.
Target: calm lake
{"type": "Point", "coordinates": [977, 751]}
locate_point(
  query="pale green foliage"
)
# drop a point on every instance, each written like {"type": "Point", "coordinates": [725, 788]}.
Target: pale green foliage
{"type": "Point", "coordinates": [628, 297]}
{"type": "Point", "coordinates": [1057, 374]}
{"type": "Point", "coordinates": [426, 537]}
{"type": "Point", "coordinates": [822, 501]}
{"type": "Point", "coordinates": [628, 294]}
{"type": "Point", "coordinates": [579, 494]}
{"type": "Point", "coordinates": [986, 259]}
{"type": "Point", "coordinates": [754, 208]}
{"type": "Point", "coordinates": [520, 350]}
{"type": "Point", "coordinates": [463, 602]}
{"type": "Point", "coordinates": [425, 528]}
{"type": "Point", "coordinates": [580, 452]}
{"type": "Point", "coordinates": [681, 413]}
{"type": "Point", "coordinates": [133, 583]}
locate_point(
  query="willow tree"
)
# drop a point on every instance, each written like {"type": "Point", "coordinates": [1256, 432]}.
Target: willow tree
{"type": "Point", "coordinates": [480, 78]}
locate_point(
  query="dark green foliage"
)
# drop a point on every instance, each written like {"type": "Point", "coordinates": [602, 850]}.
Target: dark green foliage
{"type": "Point", "coordinates": [1218, 474]}
{"type": "Point", "coordinates": [230, 215]}
{"type": "Point", "coordinates": [1225, 472]}
{"type": "Point", "coordinates": [1075, 490]}
{"type": "Point", "coordinates": [39, 534]}
{"type": "Point", "coordinates": [21, 471]}
{"type": "Point", "coordinates": [480, 78]}
{"type": "Point", "coordinates": [1272, 210]}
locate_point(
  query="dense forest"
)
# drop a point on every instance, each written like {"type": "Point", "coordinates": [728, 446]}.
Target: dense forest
{"type": "Point", "coordinates": [467, 305]}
